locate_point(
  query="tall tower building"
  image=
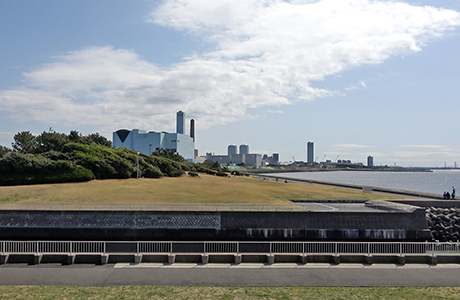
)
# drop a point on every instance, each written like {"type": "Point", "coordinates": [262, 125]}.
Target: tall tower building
{"type": "Point", "coordinates": [370, 161]}
{"type": "Point", "coordinates": [244, 149]}
{"type": "Point", "coordinates": [180, 122]}
{"type": "Point", "coordinates": [231, 150]}
{"type": "Point", "coordinates": [192, 129]}
{"type": "Point", "coordinates": [310, 152]}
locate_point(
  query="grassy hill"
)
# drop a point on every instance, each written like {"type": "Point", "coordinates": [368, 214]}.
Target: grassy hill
{"type": "Point", "coordinates": [205, 189]}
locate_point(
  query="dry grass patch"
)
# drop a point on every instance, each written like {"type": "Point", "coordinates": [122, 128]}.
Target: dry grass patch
{"type": "Point", "coordinates": [205, 189]}
{"type": "Point", "coordinates": [157, 292]}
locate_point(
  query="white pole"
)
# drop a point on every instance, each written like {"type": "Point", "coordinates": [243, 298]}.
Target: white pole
{"type": "Point", "coordinates": [137, 165]}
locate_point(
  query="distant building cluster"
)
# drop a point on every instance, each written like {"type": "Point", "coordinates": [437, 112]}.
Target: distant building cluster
{"type": "Point", "coordinates": [243, 158]}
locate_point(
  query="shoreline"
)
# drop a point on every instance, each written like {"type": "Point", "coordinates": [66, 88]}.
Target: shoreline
{"type": "Point", "coordinates": [368, 189]}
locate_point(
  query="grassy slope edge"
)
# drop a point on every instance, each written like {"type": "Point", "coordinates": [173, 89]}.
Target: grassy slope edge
{"type": "Point", "coordinates": [206, 189]}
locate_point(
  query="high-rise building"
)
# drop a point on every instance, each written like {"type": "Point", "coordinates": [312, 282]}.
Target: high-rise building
{"type": "Point", "coordinates": [231, 150]}
{"type": "Point", "coordinates": [310, 152]}
{"type": "Point", "coordinates": [244, 149]}
{"type": "Point", "coordinates": [370, 161]}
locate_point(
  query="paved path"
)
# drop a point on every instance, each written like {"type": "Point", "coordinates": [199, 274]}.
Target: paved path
{"type": "Point", "coordinates": [232, 275]}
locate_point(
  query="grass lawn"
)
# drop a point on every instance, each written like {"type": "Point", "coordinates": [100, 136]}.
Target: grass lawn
{"type": "Point", "coordinates": [205, 189]}
{"type": "Point", "coordinates": [153, 292]}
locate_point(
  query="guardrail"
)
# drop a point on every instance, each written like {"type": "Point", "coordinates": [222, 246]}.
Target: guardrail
{"type": "Point", "coordinates": [170, 247]}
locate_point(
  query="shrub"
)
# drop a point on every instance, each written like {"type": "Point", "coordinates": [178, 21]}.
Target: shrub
{"type": "Point", "coordinates": [193, 174]}
{"type": "Point", "coordinates": [222, 174]}
{"type": "Point", "coordinates": [17, 168]}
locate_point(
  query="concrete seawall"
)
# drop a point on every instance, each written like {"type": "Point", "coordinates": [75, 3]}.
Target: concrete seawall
{"type": "Point", "coordinates": [222, 225]}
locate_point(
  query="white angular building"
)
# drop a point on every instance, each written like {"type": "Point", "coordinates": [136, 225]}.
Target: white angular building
{"type": "Point", "coordinates": [148, 142]}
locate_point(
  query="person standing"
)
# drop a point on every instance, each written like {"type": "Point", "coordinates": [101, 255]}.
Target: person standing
{"type": "Point", "coordinates": [453, 192]}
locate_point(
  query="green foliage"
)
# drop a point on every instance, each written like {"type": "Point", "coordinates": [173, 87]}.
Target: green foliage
{"type": "Point", "coordinates": [203, 169]}
{"type": "Point", "coordinates": [168, 154]}
{"type": "Point", "coordinates": [193, 174]}
{"type": "Point", "coordinates": [100, 160]}
{"type": "Point", "coordinates": [57, 157]}
{"type": "Point", "coordinates": [51, 140]}
{"type": "Point", "coordinates": [93, 138]}
{"type": "Point", "coordinates": [209, 164]}
{"type": "Point", "coordinates": [18, 168]}
{"type": "Point", "coordinates": [25, 142]}
{"type": "Point", "coordinates": [222, 174]}
{"type": "Point", "coordinates": [97, 139]}
{"type": "Point", "coordinates": [4, 150]}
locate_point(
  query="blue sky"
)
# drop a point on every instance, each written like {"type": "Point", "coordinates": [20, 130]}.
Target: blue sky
{"type": "Point", "coordinates": [357, 77]}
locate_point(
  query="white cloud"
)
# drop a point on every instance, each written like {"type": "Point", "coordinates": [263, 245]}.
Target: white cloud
{"type": "Point", "coordinates": [424, 146]}
{"type": "Point", "coordinates": [263, 53]}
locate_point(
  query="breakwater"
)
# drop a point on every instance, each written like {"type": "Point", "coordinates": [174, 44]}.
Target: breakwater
{"type": "Point", "coordinates": [356, 186]}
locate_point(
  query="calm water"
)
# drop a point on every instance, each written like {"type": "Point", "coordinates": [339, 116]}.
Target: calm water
{"type": "Point", "coordinates": [430, 182]}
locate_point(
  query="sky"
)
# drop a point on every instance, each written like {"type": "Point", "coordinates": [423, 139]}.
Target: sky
{"type": "Point", "coordinates": [356, 77]}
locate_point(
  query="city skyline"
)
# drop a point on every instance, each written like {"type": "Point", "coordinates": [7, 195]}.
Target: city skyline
{"type": "Point", "coordinates": [358, 77]}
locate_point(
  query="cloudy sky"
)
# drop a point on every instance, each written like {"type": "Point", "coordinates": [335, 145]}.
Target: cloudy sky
{"type": "Point", "coordinates": [356, 77]}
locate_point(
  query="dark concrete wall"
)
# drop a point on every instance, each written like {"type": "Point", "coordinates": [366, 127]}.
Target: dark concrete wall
{"type": "Point", "coordinates": [175, 225]}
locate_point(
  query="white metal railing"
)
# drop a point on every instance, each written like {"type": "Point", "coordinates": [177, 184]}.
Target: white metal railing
{"type": "Point", "coordinates": [154, 247]}
{"type": "Point", "coordinates": [218, 247]}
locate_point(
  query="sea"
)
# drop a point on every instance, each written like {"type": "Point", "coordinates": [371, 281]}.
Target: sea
{"type": "Point", "coordinates": [437, 181]}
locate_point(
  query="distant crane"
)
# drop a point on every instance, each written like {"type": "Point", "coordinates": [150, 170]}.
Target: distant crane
{"type": "Point", "coordinates": [316, 159]}
{"type": "Point", "coordinates": [293, 158]}
{"type": "Point", "coordinates": [337, 158]}
{"type": "Point", "coordinates": [323, 158]}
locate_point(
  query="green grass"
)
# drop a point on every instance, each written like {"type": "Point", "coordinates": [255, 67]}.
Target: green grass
{"type": "Point", "coordinates": [205, 189]}
{"type": "Point", "coordinates": [154, 292]}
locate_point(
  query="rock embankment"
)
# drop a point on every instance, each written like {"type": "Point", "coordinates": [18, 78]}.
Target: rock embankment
{"type": "Point", "coordinates": [444, 223]}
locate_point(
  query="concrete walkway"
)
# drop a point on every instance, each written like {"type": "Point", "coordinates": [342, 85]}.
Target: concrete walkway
{"type": "Point", "coordinates": [225, 275]}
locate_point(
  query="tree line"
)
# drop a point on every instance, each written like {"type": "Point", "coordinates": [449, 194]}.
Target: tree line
{"type": "Point", "coordinates": [53, 157]}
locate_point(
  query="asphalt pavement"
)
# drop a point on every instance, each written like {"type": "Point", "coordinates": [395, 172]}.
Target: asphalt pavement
{"type": "Point", "coordinates": [324, 275]}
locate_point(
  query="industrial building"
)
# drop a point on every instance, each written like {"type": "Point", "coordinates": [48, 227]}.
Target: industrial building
{"type": "Point", "coordinates": [148, 142]}
{"type": "Point", "coordinates": [271, 160]}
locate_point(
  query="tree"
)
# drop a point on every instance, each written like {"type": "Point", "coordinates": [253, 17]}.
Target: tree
{"type": "Point", "coordinates": [74, 137]}
{"type": "Point", "coordinates": [168, 154]}
{"type": "Point", "coordinates": [4, 150]}
{"type": "Point", "coordinates": [51, 140]}
{"type": "Point", "coordinates": [96, 138]}
{"type": "Point", "coordinates": [25, 142]}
